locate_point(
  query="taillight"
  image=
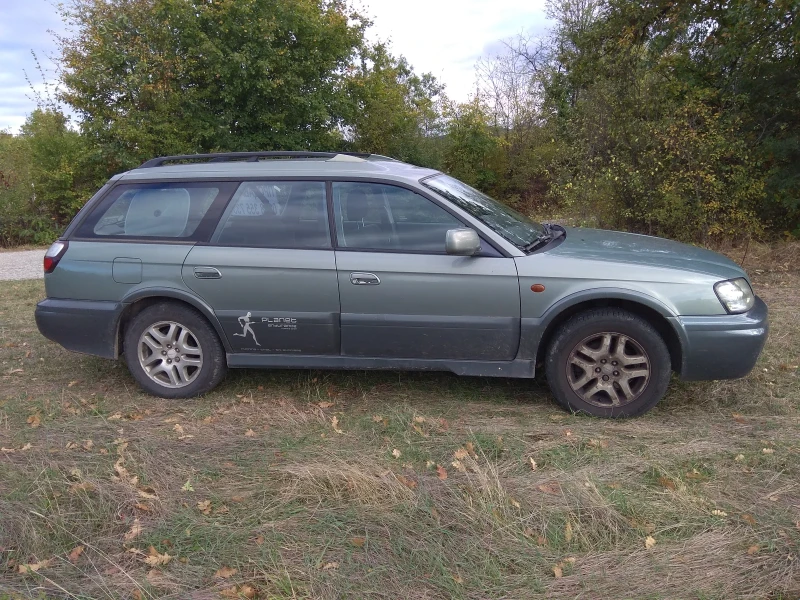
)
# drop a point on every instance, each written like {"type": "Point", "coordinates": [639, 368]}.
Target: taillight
{"type": "Point", "coordinates": [54, 254]}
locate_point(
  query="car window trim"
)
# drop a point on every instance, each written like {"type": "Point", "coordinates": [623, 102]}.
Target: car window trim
{"type": "Point", "coordinates": [483, 231]}
{"type": "Point", "coordinates": [419, 192]}
{"type": "Point", "coordinates": [202, 233]}
{"type": "Point", "coordinates": [241, 181]}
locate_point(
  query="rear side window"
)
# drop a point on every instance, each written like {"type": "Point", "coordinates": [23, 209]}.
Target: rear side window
{"type": "Point", "coordinates": [276, 214]}
{"type": "Point", "coordinates": [183, 211]}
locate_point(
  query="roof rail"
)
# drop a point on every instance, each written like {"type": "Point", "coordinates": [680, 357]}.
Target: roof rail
{"type": "Point", "coordinates": [254, 157]}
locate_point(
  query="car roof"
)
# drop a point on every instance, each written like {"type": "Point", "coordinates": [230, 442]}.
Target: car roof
{"type": "Point", "coordinates": [327, 165]}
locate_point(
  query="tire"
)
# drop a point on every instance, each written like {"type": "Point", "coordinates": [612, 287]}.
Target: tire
{"type": "Point", "coordinates": [587, 373]}
{"type": "Point", "coordinates": [173, 352]}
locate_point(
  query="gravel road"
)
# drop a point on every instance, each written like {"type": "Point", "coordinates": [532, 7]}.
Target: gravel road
{"type": "Point", "coordinates": [21, 265]}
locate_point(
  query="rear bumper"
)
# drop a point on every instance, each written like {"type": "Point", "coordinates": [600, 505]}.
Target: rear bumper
{"type": "Point", "coordinates": [85, 326]}
{"type": "Point", "coordinates": [722, 346]}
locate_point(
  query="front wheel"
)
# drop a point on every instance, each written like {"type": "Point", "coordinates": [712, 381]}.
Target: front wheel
{"type": "Point", "coordinates": [173, 352]}
{"type": "Point", "coordinates": [608, 362]}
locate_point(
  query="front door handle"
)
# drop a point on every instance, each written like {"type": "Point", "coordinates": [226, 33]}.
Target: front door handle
{"type": "Point", "coordinates": [359, 278]}
{"type": "Point", "coordinates": [207, 273]}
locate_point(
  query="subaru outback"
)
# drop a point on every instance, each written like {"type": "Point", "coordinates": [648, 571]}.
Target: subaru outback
{"type": "Point", "coordinates": [190, 265]}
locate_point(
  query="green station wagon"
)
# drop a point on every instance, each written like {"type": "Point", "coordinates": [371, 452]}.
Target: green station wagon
{"type": "Point", "coordinates": [189, 265]}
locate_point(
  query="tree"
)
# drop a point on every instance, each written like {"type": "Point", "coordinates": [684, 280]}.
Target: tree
{"type": "Point", "coordinates": [395, 112]}
{"type": "Point", "coordinates": [150, 77]}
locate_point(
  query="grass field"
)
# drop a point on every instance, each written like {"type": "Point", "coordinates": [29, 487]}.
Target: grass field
{"type": "Point", "coordinates": [292, 484]}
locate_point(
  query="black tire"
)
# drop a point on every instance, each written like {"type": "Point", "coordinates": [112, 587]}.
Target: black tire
{"type": "Point", "coordinates": [204, 363]}
{"type": "Point", "coordinates": [635, 382]}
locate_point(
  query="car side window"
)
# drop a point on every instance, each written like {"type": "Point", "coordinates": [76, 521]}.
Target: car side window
{"type": "Point", "coordinates": [374, 216]}
{"type": "Point", "coordinates": [160, 210]}
{"type": "Point", "coordinates": [276, 214]}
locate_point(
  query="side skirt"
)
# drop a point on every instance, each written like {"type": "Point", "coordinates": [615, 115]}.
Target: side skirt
{"type": "Point", "coordinates": [513, 368]}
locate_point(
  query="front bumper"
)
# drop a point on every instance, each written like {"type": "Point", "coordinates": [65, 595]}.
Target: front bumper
{"type": "Point", "coordinates": [722, 346]}
{"type": "Point", "coordinates": [85, 326]}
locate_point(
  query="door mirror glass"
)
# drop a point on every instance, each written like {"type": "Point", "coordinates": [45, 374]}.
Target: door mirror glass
{"type": "Point", "coordinates": [462, 242]}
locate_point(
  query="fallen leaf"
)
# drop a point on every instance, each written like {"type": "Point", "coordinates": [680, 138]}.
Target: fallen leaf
{"type": "Point", "coordinates": [71, 445]}
{"type": "Point", "coordinates": [75, 553]}
{"type": "Point", "coordinates": [177, 428]}
{"type": "Point", "coordinates": [396, 453]}
{"type": "Point", "coordinates": [460, 454]}
{"type": "Point", "coordinates": [666, 482]}
{"type": "Point", "coordinates": [649, 542]}
{"type": "Point", "coordinates": [73, 383]}
{"type": "Point", "coordinates": [33, 567]}
{"type": "Point", "coordinates": [34, 420]}
{"type": "Point", "coordinates": [204, 506]}
{"type": "Point", "coordinates": [418, 429]}
{"type": "Point", "coordinates": [738, 418]}
{"type": "Point", "coordinates": [187, 487]}
{"type": "Point", "coordinates": [259, 539]}
{"type": "Point", "coordinates": [748, 519]}
{"type": "Point", "coordinates": [551, 487]}
{"type": "Point", "coordinates": [27, 446]}
{"type": "Point", "coordinates": [237, 499]}
{"type": "Point", "coordinates": [407, 481]}
{"type": "Point", "coordinates": [457, 578]}
{"type": "Point", "coordinates": [134, 531]}
{"type": "Point", "coordinates": [533, 464]}
{"type": "Point", "coordinates": [84, 486]}
{"type": "Point", "coordinates": [335, 424]}
{"type": "Point", "coordinates": [148, 493]}
{"type": "Point", "coordinates": [768, 450]}
{"type": "Point", "coordinates": [137, 595]}
{"type": "Point", "coordinates": [155, 559]}
{"type": "Point", "coordinates": [231, 592]}
{"type": "Point", "coordinates": [541, 540]}
{"type": "Point", "coordinates": [377, 418]}
{"type": "Point", "coordinates": [141, 506]}
{"type": "Point", "coordinates": [330, 566]}
{"type": "Point", "coordinates": [754, 549]}
{"type": "Point", "coordinates": [459, 466]}
{"type": "Point", "coordinates": [225, 572]}
{"type": "Point", "coordinates": [250, 433]}
{"type": "Point", "coordinates": [558, 572]}
{"type": "Point", "coordinates": [514, 503]}
{"type": "Point", "coordinates": [325, 404]}
{"type": "Point", "coordinates": [441, 473]}
{"type": "Point", "coordinates": [248, 591]}
{"type": "Point", "coordinates": [470, 448]}
{"type": "Point", "coordinates": [358, 542]}
{"type": "Point", "coordinates": [739, 458]}
{"type": "Point", "coordinates": [115, 417]}
{"type": "Point", "coordinates": [719, 513]}
{"type": "Point", "coordinates": [419, 419]}
{"type": "Point", "coordinates": [88, 444]}
{"type": "Point", "coordinates": [568, 532]}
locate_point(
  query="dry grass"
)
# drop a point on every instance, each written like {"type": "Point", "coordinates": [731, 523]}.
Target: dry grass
{"type": "Point", "coordinates": [255, 477]}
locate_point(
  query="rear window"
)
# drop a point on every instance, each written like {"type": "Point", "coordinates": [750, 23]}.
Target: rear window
{"type": "Point", "coordinates": [180, 211]}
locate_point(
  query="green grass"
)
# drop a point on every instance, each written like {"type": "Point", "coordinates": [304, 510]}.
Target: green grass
{"type": "Point", "coordinates": [302, 511]}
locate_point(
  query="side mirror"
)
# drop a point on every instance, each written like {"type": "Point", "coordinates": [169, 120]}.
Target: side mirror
{"type": "Point", "coordinates": [462, 242]}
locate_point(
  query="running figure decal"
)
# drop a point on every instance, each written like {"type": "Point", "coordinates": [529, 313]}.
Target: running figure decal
{"type": "Point", "coordinates": [245, 322]}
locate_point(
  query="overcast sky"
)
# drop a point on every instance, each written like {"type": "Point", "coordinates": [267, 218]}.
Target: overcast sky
{"type": "Point", "coordinates": [443, 37]}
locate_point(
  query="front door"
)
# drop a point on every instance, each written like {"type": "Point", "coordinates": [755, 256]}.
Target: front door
{"type": "Point", "coordinates": [402, 296]}
{"type": "Point", "coordinates": [269, 271]}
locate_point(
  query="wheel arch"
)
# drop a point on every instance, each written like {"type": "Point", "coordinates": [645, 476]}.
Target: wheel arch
{"type": "Point", "coordinates": [141, 299]}
{"type": "Point", "coordinates": [650, 309]}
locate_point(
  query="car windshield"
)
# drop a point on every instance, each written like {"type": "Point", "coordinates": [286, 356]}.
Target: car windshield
{"type": "Point", "coordinates": [513, 226]}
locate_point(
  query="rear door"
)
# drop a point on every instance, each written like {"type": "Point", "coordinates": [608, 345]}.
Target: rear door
{"type": "Point", "coordinates": [402, 296]}
{"type": "Point", "coordinates": [269, 271]}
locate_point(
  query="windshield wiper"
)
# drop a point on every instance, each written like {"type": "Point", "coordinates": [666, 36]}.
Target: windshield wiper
{"type": "Point", "coordinates": [548, 235]}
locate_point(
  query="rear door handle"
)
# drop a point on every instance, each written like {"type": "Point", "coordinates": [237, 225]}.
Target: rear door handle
{"type": "Point", "coordinates": [207, 273]}
{"type": "Point", "coordinates": [359, 278]}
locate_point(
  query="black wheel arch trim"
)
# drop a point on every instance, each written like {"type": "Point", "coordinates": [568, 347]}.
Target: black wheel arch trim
{"type": "Point", "coordinates": [176, 294]}
{"type": "Point", "coordinates": [536, 330]}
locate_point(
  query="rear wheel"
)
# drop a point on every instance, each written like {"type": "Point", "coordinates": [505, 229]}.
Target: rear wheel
{"type": "Point", "coordinates": [173, 352]}
{"type": "Point", "coordinates": [608, 363]}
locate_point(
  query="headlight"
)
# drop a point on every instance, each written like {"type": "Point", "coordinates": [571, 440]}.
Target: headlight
{"type": "Point", "coordinates": [735, 295]}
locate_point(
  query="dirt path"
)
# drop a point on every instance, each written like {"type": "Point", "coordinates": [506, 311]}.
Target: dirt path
{"type": "Point", "coordinates": [21, 265]}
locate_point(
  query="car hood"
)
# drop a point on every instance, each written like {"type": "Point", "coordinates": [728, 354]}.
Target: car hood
{"type": "Point", "coordinates": [635, 249]}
